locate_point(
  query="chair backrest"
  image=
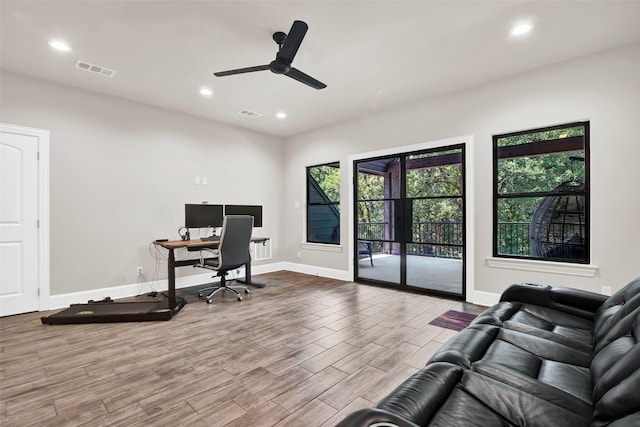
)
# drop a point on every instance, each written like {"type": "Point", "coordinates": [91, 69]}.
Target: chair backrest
{"type": "Point", "coordinates": [234, 242]}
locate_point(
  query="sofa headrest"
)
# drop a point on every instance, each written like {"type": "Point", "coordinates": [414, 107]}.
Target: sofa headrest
{"type": "Point", "coordinates": [613, 310]}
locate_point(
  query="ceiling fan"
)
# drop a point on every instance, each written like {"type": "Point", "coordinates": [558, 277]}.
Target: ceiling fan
{"type": "Point", "coordinates": [287, 48]}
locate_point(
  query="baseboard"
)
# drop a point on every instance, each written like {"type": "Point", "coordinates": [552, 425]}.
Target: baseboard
{"type": "Point", "coordinates": [483, 298]}
{"type": "Point", "coordinates": [268, 268]}
{"type": "Point", "coordinates": [125, 291]}
{"type": "Point", "coordinates": [313, 270]}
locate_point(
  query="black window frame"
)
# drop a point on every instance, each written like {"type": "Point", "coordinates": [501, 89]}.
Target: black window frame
{"type": "Point", "coordinates": [309, 206]}
{"type": "Point", "coordinates": [585, 193]}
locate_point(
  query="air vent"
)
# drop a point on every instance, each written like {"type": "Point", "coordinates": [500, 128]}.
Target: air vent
{"type": "Point", "coordinates": [248, 113]}
{"type": "Point", "coordinates": [92, 68]}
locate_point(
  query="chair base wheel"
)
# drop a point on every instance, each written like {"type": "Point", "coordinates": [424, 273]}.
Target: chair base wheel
{"type": "Point", "coordinates": [208, 296]}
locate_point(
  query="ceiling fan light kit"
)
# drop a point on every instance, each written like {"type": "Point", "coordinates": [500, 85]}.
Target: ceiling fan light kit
{"type": "Point", "coordinates": [288, 45]}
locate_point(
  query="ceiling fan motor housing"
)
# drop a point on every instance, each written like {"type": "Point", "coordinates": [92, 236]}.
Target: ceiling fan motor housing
{"type": "Point", "coordinates": [279, 67]}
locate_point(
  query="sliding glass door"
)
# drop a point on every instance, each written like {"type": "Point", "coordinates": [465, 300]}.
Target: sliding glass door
{"type": "Point", "coordinates": [410, 222]}
{"type": "Point", "coordinates": [378, 219]}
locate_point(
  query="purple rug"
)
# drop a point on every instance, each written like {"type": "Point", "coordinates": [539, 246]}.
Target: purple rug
{"type": "Point", "coordinates": [455, 320]}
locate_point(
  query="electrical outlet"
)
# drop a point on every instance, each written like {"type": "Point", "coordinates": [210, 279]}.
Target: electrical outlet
{"type": "Point", "coordinates": [140, 271]}
{"type": "Point", "coordinates": [605, 290]}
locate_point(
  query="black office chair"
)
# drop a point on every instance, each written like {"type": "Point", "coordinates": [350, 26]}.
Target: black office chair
{"type": "Point", "coordinates": [233, 252]}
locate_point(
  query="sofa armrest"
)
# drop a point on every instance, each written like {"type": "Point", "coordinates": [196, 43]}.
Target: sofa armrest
{"type": "Point", "coordinates": [579, 298]}
{"type": "Point", "coordinates": [373, 417]}
{"type": "Point", "coordinates": [569, 300]}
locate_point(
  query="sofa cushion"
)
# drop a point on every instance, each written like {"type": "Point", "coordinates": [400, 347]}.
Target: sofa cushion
{"type": "Point", "coordinates": [544, 322]}
{"type": "Point", "coordinates": [615, 372]}
{"type": "Point", "coordinates": [577, 302]}
{"type": "Point", "coordinates": [629, 292]}
{"type": "Point", "coordinates": [542, 390]}
{"type": "Point", "coordinates": [615, 321]}
{"type": "Point", "coordinates": [620, 402]}
{"type": "Point", "coordinates": [443, 394]}
{"type": "Point", "coordinates": [553, 369]}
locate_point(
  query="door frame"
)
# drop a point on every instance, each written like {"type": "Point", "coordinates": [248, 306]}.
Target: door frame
{"type": "Point", "coordinates": [467, 142]}
{"type": "Point", "coordinates": [43, 262]}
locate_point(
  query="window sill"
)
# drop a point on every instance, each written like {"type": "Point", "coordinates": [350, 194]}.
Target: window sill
{"type": "Point", "coordinates": [567, 268]}
{"type": "Point", "coordinates": [325, 247]}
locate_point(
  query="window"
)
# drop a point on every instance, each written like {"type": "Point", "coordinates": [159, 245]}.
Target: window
{"type": "Point", "coordinates": [541, 194]}
{"type": "Point", "coordinates": [323, 203]}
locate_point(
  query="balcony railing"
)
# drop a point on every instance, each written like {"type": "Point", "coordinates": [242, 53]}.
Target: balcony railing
{"type": "Point", "coordinates": [442, 239]}
{"type": "Point", "coordinates": [371, 230]}
{"type": "Point", "coordinates": [513, 238]}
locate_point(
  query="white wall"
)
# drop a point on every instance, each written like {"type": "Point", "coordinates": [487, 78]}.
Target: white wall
{"type": "Point", "coordinates": [121, 172]}
{"type": "Point", "coordinates": [603, 88]}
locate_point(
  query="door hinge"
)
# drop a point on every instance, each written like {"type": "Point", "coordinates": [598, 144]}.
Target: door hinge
{"type": "Point", "coordinates": [38, 223]}
{"type": "Point", "coordinates": [38, 291]}
{"type": "Point", "coordinates": [38, 155]}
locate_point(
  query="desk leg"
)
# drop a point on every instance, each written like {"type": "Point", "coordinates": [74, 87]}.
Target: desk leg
{"type": "Point", "coordinates": [171, 278]}
{"type": "Point", "coordinates": [175, 304]}
{"type": "Point", "coordinates": [247, 277]}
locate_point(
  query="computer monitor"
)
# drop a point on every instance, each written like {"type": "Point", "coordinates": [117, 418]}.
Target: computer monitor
{"type": "Point", "coordinates": [254, 210]}
{"type": "Point", "coordinates": [203, 216]}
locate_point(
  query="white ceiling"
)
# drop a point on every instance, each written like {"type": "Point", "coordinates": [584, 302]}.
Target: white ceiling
{"type": "Point", "coordinates": [372, 54]}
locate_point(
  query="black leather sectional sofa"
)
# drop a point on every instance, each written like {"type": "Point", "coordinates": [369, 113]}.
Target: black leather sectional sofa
{"type": "Point", "coordinates": [543, 356]}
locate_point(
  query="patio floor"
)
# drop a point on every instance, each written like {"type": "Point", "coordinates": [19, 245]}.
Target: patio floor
{"type": "Point", "coordinates": [442, 274]}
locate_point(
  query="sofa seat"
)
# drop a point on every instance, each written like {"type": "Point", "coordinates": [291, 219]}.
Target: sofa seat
{"type": "Point", "coordinates": [443, 394]}
{"type": "Point", "coordinates": [544, 322]}
{"type": "Point", "coordinates": [550, 370]}
{"type": "Point", "coordinates": [549, 356]}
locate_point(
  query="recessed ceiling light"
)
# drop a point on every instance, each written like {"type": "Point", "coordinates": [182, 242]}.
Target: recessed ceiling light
{"type": "Point", "coordinates": [205, 91]}
{"type": "Point", "coordinates": [521, 28]}
{"type": "Point", "coordinates": [281, 115]}
{"type": "Point", "coordinates": [59, 45]}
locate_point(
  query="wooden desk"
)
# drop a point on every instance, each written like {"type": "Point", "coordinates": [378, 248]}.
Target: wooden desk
{"type": "Point", "coordinates": [176, 303]}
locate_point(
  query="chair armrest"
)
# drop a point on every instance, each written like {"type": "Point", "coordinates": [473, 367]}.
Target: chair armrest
{"type": "Point", "coordinates": [570, 300]}
{"type": "Point", "coordinates": [373, 417]}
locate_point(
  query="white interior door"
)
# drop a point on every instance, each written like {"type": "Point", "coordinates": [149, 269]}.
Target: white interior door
{"type": "Point", "coordinates": [19, 234]}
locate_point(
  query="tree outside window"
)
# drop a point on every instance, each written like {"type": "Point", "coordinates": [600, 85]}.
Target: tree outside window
{"type": "Point", "coordinates": [323, 203]}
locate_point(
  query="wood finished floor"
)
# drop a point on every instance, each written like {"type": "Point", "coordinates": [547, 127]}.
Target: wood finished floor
{"type": "Point", "coordinates": [304, 351]}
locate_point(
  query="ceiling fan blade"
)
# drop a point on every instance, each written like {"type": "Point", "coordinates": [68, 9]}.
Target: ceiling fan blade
{"type": "Point", "coordinates": [298, 75]}
{"type": "Point", "coordinates": [292, 42]}
{"type": "Point", "coordinates": [241, 70]}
